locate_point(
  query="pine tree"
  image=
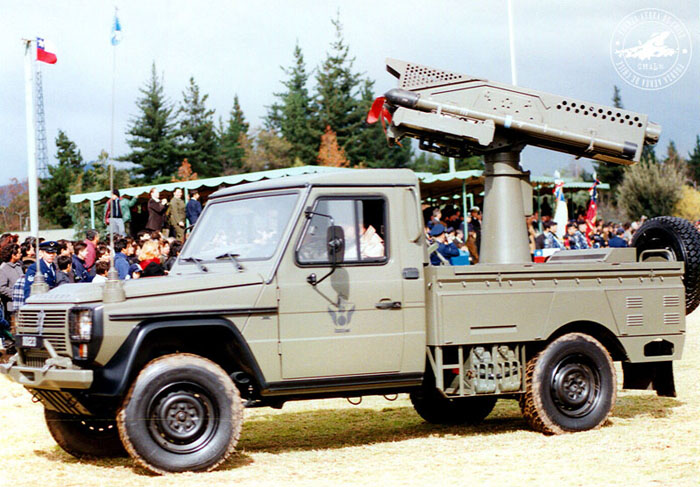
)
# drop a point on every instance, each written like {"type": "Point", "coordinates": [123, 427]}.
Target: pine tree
{"type": "Point", "coordinates": [337, 100]}
{"type": "Point", "coordinates": [231, 152]}
{"type": "Point", "coordinates": [694, 161]}
{"type": "Point", "coordinates": [609, 172]}
{"type": "Point", "coordinates": [329, 154]}
{"type": "Point", "coordinates": [55, 189]}
{"type": "Point", "coordinates": [152, 137]}
{"type": "Point", "coordinates": [196, 134]}
{"type": "Point", "coordinates": [291, 115]}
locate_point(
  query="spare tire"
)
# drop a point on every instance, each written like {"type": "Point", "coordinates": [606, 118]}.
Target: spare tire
{"type": "Point", "coordinates": [682, 239]}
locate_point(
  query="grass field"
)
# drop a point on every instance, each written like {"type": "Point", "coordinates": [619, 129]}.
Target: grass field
{"type": "Point", "coordinates": [648, 441]}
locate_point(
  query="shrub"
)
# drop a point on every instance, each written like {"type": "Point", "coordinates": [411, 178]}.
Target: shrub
{"type": "Point", "coordinates": [688, 206]}
{"type": "Point", "coordinates": [650, 189]}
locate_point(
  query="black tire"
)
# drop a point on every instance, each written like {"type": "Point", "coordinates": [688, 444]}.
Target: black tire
{"type": "Point", "coordinates": [570, 386]}
{"type": "Point", "coordinates": [682, 239]}
{"type": "Point", "coordinates": [183, 413]}
{"type": "Point", "coordinates": [435, 408]}
{"type": "Point", "coordinates": [85, 436]}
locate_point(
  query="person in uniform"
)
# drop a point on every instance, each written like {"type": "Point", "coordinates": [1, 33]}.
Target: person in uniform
{"type": "Point", "coordinates": [176, 215]}
{"type": "Point", "coordinates": [47, 256]}
{"type": "Point", "coordinates": [445, 248]}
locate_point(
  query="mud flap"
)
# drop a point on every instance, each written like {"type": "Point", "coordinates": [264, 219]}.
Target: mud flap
{"type": "Point", "coordinates": [650, 375]}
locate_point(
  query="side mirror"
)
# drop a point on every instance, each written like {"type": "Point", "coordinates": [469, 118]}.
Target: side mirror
{"type": "Point", "coordinates": [335, 239]}
{"type": "Point", "coordinates": [335, 243]}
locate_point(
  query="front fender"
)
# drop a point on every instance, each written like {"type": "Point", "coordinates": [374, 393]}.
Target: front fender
{"type": "Point", "coordinates": [212, 337]}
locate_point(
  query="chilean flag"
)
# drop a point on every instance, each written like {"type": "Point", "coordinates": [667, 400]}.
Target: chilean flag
{"type": "Point", "coordinates": [42, 54]}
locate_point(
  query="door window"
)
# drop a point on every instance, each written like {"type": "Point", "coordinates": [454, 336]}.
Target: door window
{"type": "Point", "coordinates": [364, 224]}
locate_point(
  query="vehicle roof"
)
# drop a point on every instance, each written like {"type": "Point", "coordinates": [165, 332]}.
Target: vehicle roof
{"type": "Point", "coordinates": [342, 177]}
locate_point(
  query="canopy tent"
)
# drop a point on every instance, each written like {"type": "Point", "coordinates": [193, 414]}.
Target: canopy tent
{"type": "Point", "coordinates": [462, 186]}
{"type": "Point", "coordinates": [204, 186]}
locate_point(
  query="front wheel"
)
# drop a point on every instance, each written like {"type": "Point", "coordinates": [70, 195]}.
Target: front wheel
{"type": "Point", "coordinates": [84, 436]}
{"type": "Point", "coordinates": [570, 386]}
{"type": "Point", "coordinates": [183, 413]}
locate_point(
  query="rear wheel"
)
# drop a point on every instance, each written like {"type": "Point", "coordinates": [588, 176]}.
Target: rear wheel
{"type": "Point", "coordinates": [435, 408]}
{"type": "Point", "coordinates": [183, 413]}
{"type": "Point", "coordinates": [569, 386]}
{"type": "Point", "coordinates": [682, 240]}
{"type": "Point", "coordinates": [84, 436]}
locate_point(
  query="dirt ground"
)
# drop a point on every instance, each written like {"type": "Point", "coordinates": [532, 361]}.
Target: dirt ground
{"type": "Point", "coordinates": [649, 441]}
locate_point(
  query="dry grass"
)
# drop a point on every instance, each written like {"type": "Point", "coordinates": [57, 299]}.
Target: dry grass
{"type": "Point", "coordinates": [648, 441]}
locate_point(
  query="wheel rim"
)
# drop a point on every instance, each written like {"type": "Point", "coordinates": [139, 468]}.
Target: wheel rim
{"type": "Point", "coordinates": [182, 418]}
{"type": "Point", "coordinates": [575, 386]}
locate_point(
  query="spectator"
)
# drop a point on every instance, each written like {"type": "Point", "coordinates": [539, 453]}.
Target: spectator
{"type": "Point", "coordinates": [172, 256]}
{"type": "Point", "coordinates": [617, 241]}
{"type": "Point", "coordinates": [445, 248]}
{"type": "Point", "coordinates": [577, 240]}
{"type": "Point", "coordinates": [121, 264]}
{"type": "Point", "coordinates": [47, 267]}
{"type": "Point", "coordinates": [475, 225]}
{"type": "Point", "coordinates": [10, 272]}
{"type": "Point", "coordinates": [435, 218]}
{"type": "Point", "coordinates": [64, 275]}
{"type": "Point", "coordinates": [92, 237]}
{"type": "Point", "coordinates": [156, 212]}
{"type": "Point", "coordinates": [113, 214]}
{"type": "Point", "coordinates": [101, 269]}
{"type": "Point", "coordinates": [150, 252]}
{"type": "Point", "coordinates": [80, 273]}
{"type": "Point", "coordinates": [176, 215]}
{"type": "Point", "coordinates": [550, 236]}
{"type": "Point", "coordinates": [153, 269]}
{"type": "Point", "coordinates": [18, 293]}
{"type": "Point", "coordinates": [28, 253]}
{"type": "Point", "coordinates": [194, 207]}
{"type": "Point", "coordinates": [126, 205]}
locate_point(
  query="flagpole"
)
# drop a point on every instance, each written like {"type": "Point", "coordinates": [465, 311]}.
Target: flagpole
{"type": "Point", "coordinates": [513, 72]}
{"type": "Point", "coordinates": [113, 291]}
{"type": "Point", "coordinates": [39, 285]}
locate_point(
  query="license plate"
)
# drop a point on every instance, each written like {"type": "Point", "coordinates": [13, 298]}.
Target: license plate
{"type": "Point", "coordinates": [30, 342]}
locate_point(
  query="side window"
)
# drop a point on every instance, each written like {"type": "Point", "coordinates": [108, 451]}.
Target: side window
{"type": "Point", "coordinates": [364, 224]}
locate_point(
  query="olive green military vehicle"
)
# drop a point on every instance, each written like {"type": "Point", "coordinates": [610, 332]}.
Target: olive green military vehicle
{"type": "Point", "coordinates": [321, 286]}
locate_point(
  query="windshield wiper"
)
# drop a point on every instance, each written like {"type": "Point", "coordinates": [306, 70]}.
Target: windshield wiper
{"type": "Point", "coordinates": [197, 261]}
{"type": "Point", "coordinates": [233, 258]}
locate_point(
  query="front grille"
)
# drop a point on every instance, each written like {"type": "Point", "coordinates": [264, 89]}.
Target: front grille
{"type": "Point", "coordinates": [35, 358]}
{"type": "Point", "coordinates": [55, 326]}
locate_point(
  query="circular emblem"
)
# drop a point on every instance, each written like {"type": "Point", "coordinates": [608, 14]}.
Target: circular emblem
{"type": "Point", "coordinates": [651, 49]}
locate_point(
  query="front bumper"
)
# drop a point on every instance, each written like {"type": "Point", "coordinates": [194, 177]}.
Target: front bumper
{"type": "Point", "coordinates": [49, 376]}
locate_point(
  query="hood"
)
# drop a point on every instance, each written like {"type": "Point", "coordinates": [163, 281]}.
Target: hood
{"type": "Point", "coordinates": [148, 286]}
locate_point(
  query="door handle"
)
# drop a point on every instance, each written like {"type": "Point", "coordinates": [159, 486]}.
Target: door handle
{"type": "Point", "coordinates": [388, 305]}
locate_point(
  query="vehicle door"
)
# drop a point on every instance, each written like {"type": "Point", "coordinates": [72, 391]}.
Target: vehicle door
{"type": "Point", "coordinates": [350, 322]}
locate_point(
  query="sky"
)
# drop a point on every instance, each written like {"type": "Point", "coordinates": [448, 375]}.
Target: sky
{"type": "Point", "coordinates": [234, 47]}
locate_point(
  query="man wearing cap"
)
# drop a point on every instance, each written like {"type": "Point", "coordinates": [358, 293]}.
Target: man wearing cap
{"type": "Point", "coordinates": [617, 240]}
{"type": "Point", "coordinates": [47, 256]}
{"type": "Point", "coordinates": [445, 249]}
{"type": "Point", "coordinates": [550, 236]}
{"type": "Point", "coordinates": [475, 225]}
{"type": "Point", "coordinates": [577, 240]}
{"type": "Point", "coordinates": [113, 214]}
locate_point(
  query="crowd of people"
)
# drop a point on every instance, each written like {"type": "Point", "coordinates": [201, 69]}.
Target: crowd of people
{"type": "Point", "coordinates": [150, 252]}
{"type": "Point", "coordinates": [458, 238]}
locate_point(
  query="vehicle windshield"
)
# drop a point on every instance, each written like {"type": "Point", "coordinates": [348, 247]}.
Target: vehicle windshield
{"type": "Point", "coordinates": [249, 227]}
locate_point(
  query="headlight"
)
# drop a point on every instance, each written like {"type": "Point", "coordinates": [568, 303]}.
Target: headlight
{"type": "Point", "coordinates": [81, 325]}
